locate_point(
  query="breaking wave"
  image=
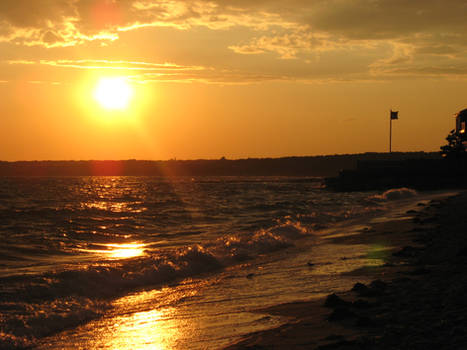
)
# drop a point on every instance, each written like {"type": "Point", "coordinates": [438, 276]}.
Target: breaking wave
{"type": "Point", "coordinates": [48, 284]}
{"type": "Point", "coordinates": [34, 307]}
{"type": "Point", "coordinates": [396, 194]}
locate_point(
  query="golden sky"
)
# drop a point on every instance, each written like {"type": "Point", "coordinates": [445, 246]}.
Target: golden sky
{"type": "Point", "coordinates": [233, 78]}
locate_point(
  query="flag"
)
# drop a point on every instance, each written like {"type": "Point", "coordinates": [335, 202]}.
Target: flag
{"type": "Point", "coordinates": [394, 115]}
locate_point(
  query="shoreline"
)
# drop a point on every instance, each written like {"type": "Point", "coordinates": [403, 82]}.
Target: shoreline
{"type": "Point", "coordinates": [417, 299]}
{"type": "Point", "coordinates": [296, 166]}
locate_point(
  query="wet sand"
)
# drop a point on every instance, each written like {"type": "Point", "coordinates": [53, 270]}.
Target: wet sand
{"type": "Point", "coordinates": [417, 300]}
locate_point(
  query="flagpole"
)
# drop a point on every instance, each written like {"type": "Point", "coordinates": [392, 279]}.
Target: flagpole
{"type": "Point", "coordinates": [390, 132]}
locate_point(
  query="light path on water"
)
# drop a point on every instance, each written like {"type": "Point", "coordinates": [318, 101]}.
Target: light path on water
{"type": "Point", "coordinates": [214, 310]}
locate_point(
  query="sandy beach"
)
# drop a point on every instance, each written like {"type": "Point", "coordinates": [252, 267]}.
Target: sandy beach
{"type": "Point", "coordinates": [417, 300]}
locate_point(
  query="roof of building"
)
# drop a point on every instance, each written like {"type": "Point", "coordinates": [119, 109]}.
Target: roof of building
{"type": "Point", "coordinates": [462, 113]}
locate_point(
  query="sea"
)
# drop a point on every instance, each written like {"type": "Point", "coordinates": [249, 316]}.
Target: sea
{"type": "Point", "coordinates": [173, 263]}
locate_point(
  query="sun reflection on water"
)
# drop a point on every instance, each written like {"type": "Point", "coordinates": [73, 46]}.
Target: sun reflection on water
{"type": "Point", "coordinates": [119, 250]}
{"type": "Point", "coordinates": [143, 320]}
{"type": "Point", "coordinates": [123, 251]}
{"type": "Point", "coordinates": [115, 207]}
{"type": "Point", "coordinates": [141, 330]}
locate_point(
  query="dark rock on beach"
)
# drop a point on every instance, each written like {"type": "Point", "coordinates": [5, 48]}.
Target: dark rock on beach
{"type": "Point", "coordinates": [362, 304]}
{"type": "Point", "coordinates": [406, 252]}
{"type": "Point", "coordinates": [333, 301]}
{"type": "Point", "coordinates": [341, 313]}
{"type": "Point", "coordinates": [375, 288]}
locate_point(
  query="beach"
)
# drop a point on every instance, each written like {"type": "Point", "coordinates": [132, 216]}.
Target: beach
{"type": "Point", "coordinates": [138, 263]}
{"type": "Point", "coordinates": [416, 300]}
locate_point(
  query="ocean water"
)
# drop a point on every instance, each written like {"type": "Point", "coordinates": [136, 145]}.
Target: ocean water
{"type": "Point", "coordinates": [170, 263]}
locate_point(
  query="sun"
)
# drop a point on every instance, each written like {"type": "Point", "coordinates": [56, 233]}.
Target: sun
{"type": "Point", "coordinates": [113, 93]}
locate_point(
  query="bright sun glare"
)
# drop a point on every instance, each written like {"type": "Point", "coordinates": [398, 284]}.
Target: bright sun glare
{"type": "Point", "coordinates": [113, 93]}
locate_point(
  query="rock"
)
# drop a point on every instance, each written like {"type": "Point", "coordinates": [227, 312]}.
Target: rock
{"type": "Point", "coordinates": [378, 285]}
{"type": "Point", "coordinates": [359, 288]}
{"type": "Point", "coordinates": [420, 271]}
{"type": "Point", "coordinates": [340, 345]}
{"type": "Point", "coordinates": [341, 313]}
{"type": "Point", "coordinates": [333, 301]}
{"type": "Point", "coordinates": [406, 252]}
{"type": "Point", "coordinates": [430, 219]}
{"type": "Point", "coordinates": [376, 288]}
{"type": "Point", "coordinates": [361, 304]}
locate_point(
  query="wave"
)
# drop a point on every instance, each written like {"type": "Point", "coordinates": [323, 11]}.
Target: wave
{"type": "Point", "coordinates": [36, 306]}
{"type": "Point", "coordinates": [395, 194]}
{"type": "Point", "coordinates": [107, 279]}
{"type": "Point", "coordinates": [33, 306]}
{"type": "Point", "coordinates": [23, 323]}
{"type": "Point", "coordinates": [234, 248]}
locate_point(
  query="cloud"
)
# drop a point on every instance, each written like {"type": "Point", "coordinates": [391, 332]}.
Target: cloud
{"type": "Point", "coordinates": [390, 19]}
{"type": "Point", "coordinates": [211, 76]}
{"type": "Point", "coordinates": [287, 45]}
{"type": "Point", "coordinates": [422, 59]}
{"type": "Point", "coordinates": [53, 23]}
{"type": "Point", "coordinates": [107, 64]}
{"type": "Point", "coordinates": [42, 82]}
{"type": "Point", "coordinates": [116, 65]}
{"type": "Point", "coordinates": [398, 37]}
{"type": "Point", "coordinates": [35, 14]}
{"type": "Point", "coordinates": [149, 72]}
{"type": "Point", "coordinates": [357, 19]}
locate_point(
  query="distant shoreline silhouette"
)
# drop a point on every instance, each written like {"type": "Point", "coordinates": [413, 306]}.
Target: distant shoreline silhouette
{"type": "Point", "coordinates": [287, 166]}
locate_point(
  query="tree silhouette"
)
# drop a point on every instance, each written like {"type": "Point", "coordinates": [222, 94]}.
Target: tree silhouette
{"type": "Point", "coordinates": [455, 147]}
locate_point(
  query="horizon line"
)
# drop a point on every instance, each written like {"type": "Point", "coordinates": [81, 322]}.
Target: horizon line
{"type": "Point", "coordinates": [212, 159]}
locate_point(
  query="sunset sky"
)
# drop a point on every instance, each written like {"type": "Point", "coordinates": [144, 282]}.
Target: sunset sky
{"type": "Point", "coordinates": [85, 79]}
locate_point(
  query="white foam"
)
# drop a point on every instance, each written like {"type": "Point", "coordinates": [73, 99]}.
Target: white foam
{"type": "Point", "coordinates": [396, 194]}
{"type": "Point", "coordinates": [22, 324]}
